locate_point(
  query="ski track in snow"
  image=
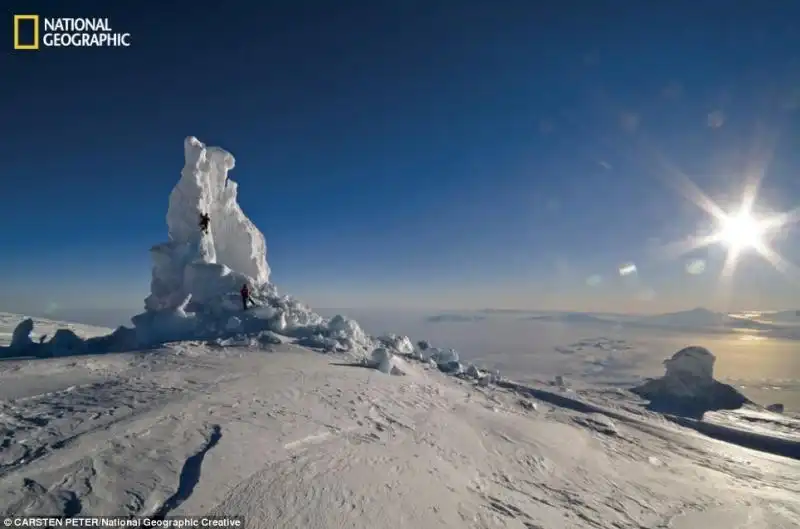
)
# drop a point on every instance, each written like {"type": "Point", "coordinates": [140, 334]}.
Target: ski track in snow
{"type": "Point", "coordinates": [288, 439]}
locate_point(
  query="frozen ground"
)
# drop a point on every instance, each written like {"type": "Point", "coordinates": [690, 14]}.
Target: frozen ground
{"type": "Point", "coordinates": [292, 438]}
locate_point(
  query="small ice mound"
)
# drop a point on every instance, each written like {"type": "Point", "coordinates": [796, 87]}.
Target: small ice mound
{"type": "Point", "coordinates": [446, 360]}
{"type": "Point", "coordinates": [384, 361]}
{"type": "Point", "coordinates": [473, 371]}
{"type": "Point", "coordinates": [688, 387]}
{"type": "Point", "coordinates": [483, 377]}
{"type": "Point", "coordinates": [295, 315]}
{"type": "Point", "coordinates": [347, 332]}
{"type": "Point", "coordinates": [339, 334]}
{"type": "Point", "coordinates": [445, 356]}
{"type": "Point", "coordinates": [400, 344]}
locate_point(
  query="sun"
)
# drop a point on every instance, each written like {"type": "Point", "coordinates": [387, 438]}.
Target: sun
{"type": "Point", "coordinates": [741, 231]}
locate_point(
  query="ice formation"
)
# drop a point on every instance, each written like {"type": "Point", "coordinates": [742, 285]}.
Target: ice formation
{"type": "Point", "coordinates": [446, 360]}
{"type": "Point", "coordinates": [206, 266]}
{"type": "Point", "coordinates": [688, 386]}
{"type": "Point", "coordinates": [387, 362]}
{"type": "Point", "coordinates": [690, 369]}
{"type": "Point", "coordinates": [395, 353]}
{"type": "Point", "coordinates": [21, 337]}
{"type": "Point", "coordinates": [197, 276]}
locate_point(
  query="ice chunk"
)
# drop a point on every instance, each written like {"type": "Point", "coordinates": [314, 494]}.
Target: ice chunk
{"type": "Point", "coordinates": [21, 337]}
{"type": "Point", "coordinates": [447, 356]}
{"type": "Point", "coordinates": [381, 359]}
{"type": "Point", "coordinates": [399, 344]}
{"type": "Point", "coordinates": [384, 361]}
{"type": "Point", "coordinates": [473, 372]}
{"type": "Point", "coordinates": [346, 331]}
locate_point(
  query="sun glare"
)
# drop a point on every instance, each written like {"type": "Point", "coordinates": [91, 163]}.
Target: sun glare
{"type": "Point", "coordinates": [741, 231]}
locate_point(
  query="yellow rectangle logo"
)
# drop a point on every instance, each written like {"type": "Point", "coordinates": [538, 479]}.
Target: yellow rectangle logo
{"type": "Point", "coordinates": [30, 46]}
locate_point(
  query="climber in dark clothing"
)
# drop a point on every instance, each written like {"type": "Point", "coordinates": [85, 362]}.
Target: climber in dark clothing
{"type": "Point", "coordinates": [245, 292]}
{"type": "Point", "coordinates": [204, 221]}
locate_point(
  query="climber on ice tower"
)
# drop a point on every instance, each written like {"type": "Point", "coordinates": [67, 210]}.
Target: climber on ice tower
{"type": "Point", "coordinates": [204, 220]}
{"type": "Point", "coordinates": [245, 292]}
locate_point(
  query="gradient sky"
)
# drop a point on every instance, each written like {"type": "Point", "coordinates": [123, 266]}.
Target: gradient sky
{"type": "Point", "coordinates": [447, 154]}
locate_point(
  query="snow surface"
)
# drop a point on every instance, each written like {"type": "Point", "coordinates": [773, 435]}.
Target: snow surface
{"type": "Point", "coordinates": [291, 438]}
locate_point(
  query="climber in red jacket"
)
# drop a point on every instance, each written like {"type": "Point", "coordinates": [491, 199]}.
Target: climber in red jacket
{"type": "Point", "coordinates": [245, 292]}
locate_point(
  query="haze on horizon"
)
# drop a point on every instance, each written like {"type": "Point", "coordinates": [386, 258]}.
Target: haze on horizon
{"type": "Point", "coordinates": [509, 155]}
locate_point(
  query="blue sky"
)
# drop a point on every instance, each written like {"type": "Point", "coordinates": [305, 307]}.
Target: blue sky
{"type": "Point", "coordinates": [408, 154]}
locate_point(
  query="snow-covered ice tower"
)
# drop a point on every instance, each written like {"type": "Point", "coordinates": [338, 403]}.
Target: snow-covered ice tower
{"type": "Point", "coordinates": [206, 266]}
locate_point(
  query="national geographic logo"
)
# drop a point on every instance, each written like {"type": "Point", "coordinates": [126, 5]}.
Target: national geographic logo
{"type": "Point", "coordinates": [66, 33]}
